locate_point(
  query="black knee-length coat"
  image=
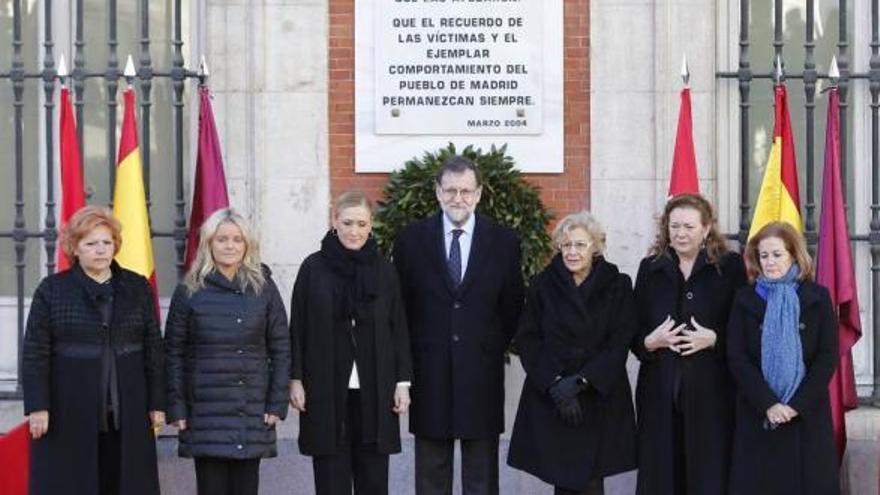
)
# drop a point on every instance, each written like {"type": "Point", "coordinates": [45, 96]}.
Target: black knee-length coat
{"type": "Point", "coordinates": [61, 372]}
{"type": "Point", "coordinates": [459, 334]}
{"type": "Point", "coordinates": [228, 354]}
{"type": "Point", "coordinates": [700, 382]}
{"type": "Point", "coordinates": [798, 457]}
{"type": "Point", "coordinates": [597, 348]}
{"type": "Point", "coordinates": [312, 323]}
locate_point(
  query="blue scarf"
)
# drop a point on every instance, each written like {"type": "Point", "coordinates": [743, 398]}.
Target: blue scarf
{"type": "Point", "coordinates": [782, 361]}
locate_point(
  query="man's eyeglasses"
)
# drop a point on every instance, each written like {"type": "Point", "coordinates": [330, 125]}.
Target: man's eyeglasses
{"type": "Point", "coordinates": [449, 193]}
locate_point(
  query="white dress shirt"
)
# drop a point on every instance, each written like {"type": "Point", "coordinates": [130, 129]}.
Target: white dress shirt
{"type": "Point", "coordinates": [464, 240]}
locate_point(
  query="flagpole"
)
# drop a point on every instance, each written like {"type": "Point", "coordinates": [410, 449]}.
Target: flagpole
{"type": "Point", "coordinates": [203, 72]}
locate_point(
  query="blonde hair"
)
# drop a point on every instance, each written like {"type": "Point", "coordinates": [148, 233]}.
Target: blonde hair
{"type": "Point", "coordinates": [85, 220]}
{"type": "Point", "coordinates": [583, 220]}
{"type": "Point", "coordinates": [351, 199]}
{"type": "Point", "coordinates": [250, 273]}
{"type": "Point", "coordinates": [794, 244]}
{"type": "Point", "coordinates": [716, 248]}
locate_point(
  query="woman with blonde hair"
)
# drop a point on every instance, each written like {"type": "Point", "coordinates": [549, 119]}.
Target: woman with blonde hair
{"type": "Point", "coordinates": [351, 360]}
{"type": "Point", "coordinates": [228, 359]}
{"type": "Point", "coordinates": [684, 398]}
{"type": "Point", "coordinates": [92, 370]}
{"type": "Point", "coordinates": [575, 424]}
{"type": "Point", "coordinates": [782, 351]}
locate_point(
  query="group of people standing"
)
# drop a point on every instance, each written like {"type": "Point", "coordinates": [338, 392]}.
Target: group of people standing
{"type": "Point", "coordinates": [731, 395]}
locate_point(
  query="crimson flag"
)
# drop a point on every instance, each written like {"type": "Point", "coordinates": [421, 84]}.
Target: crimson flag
{"type": "Point", "coordinates": [683, 178]}
{"type": "Point", "coordinates": [72, 194]}
{"type": "Point", "coordinates": [14, 460]}
{"type": "Point", "coordinates": [834, 270]}
{"type": "Point", "coordinates": [209, 188]}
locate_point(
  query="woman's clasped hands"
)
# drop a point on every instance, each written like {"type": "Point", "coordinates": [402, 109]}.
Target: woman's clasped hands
{"type": "Point", "coordinates": [682, 338]}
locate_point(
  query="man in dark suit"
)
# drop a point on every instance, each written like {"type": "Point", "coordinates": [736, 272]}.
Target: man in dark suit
{"type": "Point", "coordinates": [462, 286]}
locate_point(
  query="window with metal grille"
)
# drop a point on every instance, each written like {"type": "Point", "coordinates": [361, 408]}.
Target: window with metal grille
{"type": "Point", "coordinates": [804, 35]}
{"type": "Point", "coordinates": [96, 37]}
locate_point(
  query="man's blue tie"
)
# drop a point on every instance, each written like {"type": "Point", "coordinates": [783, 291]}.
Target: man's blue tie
{"type": "Point", "coordinates": [453, 264]}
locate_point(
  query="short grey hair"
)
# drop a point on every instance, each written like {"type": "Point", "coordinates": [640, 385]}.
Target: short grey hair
{"type": "Point", "coordinates": [583, 220]}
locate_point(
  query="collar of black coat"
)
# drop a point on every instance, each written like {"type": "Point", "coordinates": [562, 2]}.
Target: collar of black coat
{"type": "Point", "coordinates": [217, 279]}
{"type": "Point", "coordinates": [668, 263]}
{"type": "Point", "coordinates": [93, 288]}
{"type": "Point", "coordinates": [601, 276]}
{"type": "Point", "coordinates": [809, 293]}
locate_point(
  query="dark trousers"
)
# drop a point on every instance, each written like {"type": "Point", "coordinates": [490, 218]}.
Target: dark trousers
{"type": "Point", "coordinates": [355, 463]}
{"type": "Point", "coordinates": [216, 476]}
{"type": "Point", "coordinates": [479, 466]}
{"type": "Point", "coordinates": [109, 451]}
{"type": "Point", "coordinates": [596, 487]}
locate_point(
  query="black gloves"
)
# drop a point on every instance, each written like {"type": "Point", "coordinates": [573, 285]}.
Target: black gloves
{"type": "Point", "coordinates": [567, 388]}
{"type": "Point", "coordinates": [570, 411]}
{"type": "Point", "coordinates": [564, 394]}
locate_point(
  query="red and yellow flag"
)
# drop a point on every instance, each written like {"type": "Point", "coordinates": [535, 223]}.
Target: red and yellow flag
{"type": "Point", "coordinates": [779, 200]}
{"type": "Point", "coordinates": [130, 202]}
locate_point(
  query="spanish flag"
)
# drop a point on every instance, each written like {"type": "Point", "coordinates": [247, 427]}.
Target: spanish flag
{"type": "Point", "coordinates": [130, 202]}
{"type": "Point", "coordinates": [779, 200]}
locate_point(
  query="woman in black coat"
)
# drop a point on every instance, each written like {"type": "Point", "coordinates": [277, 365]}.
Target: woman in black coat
{"type": "Point", "coordinates": [228, 354]}
{"type": "Point", "coordinates": [575, 424]}
{"type": "Point", "coordinates": [782, 351]}
{"type": "Point", "coordinates": [351, 364]}
{"type": "Point", "coordinates": [684, 397]}
{"type": "Point", "coordinates": [92, 371]}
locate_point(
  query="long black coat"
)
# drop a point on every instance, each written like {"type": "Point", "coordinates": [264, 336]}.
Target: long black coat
{"type": "Point", "coordinates": [312, 322]}
{"type": "Point", "coordinates": [61, 371]}
{"type": "Point", "coordinates": [702, 382]}
{"type": "Point", "coordinates": [459, 335]}
{"type": "Point", "coordinates": [228, 354]}
{"type": "Point", "coordinates": [605, 444]}
{"type": "Point", "coordinates": [799, 456]}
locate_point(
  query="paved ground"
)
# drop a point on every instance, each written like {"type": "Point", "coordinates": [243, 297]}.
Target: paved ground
{"type": "Point", "coordinates": [291, 473]}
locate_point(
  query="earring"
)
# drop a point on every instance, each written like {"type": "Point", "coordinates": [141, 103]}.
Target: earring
{"type": "Point", "coordinates": [333, 232]}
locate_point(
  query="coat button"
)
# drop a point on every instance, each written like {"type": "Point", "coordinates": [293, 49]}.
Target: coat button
{"type": "Point", "coordinates": [239, 447]}
{"type": "Point", "coordinates": [456, 305]}
{"type": "Point", "coordinates": [802, 325]}
{"type": "Point", "coordinates": [689, 295]}
{"type": "Point", "coordinates": [455, 338]}
{"type": "Point", "coordinates": [238, 320]}
{"type": "Point", "coordinates": [239, 351]}
{"type": "Point", "coordinates": [241, 413]}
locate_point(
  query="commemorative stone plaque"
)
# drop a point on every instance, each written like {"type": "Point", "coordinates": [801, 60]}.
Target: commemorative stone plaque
{"type": "Point", "coordinates": [458, 67]}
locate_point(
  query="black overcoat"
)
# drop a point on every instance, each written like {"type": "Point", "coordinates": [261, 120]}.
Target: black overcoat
{"type": "Point", "coordinates": [228, 354]}
{"type": "Point", "coordinates": [312, 322]}
{"type": "Point", "coordinates": [800, 456]}
{"type": "Point", "coordinates": [700, 382]}
{"type": "Point", "coordinates": [605, 444]}
{"type": "Point", "coordinates": [61, 371]}
{"type": "Point", "coordinates": [459, 334]}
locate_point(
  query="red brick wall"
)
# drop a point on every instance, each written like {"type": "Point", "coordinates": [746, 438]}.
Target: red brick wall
{"type": "Point", "coordinates": [562, 193]}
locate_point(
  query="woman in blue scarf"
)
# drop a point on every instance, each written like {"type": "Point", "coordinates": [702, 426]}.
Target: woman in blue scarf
{"type": "Point", "coordinates": [782, 351]}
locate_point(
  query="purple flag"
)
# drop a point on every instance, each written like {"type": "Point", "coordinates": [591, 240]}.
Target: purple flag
{"type": "Point", "coordinates": [209, 188]}
{"type": "Point", "coordinates": [834, 270]}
